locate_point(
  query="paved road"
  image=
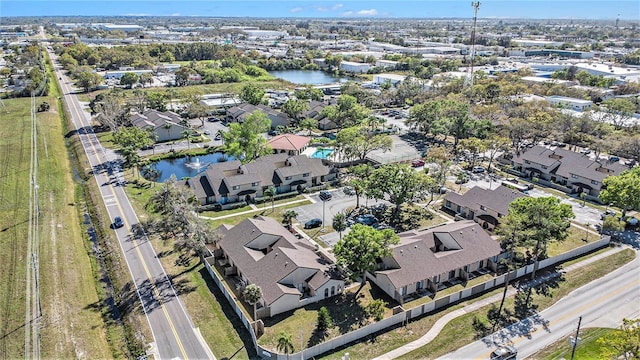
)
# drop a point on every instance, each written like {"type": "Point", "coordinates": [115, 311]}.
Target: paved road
{"type": "Point", "coordinates": [601, 303]}
{"type": "Point", "coordinates": [173, 331]}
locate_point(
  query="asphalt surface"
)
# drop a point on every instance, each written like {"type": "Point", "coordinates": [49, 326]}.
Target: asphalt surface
{"type": "Point", "coordinates": [173, 331]}
{"type": "Point", "coordinates": [601, 303]}
{"type": "Point", "coordinates": [338, 204]}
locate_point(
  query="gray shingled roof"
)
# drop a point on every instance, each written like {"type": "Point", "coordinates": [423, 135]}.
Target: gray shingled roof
{"type": "Point", "coordinates": [497, 199]}
{"type": "Point", "coordinates": [538, 155]}
{"type": "Point", "coordinates": [417, 261]}
{"type": "Point", "coordinates": [268, 270]}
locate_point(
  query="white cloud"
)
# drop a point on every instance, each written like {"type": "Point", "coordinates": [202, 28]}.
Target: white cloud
{"type": "Point", "coordinates": [347, 13]}
{"type": "Point", "coordinates": [336, 6]}
{"type": "Point", "coordinates": [295, 10]}
{"type": "Point", "coordinates": [370, 12]}
{"type": "Point", "coordinates": [175, 14]}
{"type": "Point", "coordinates": [321, 8]}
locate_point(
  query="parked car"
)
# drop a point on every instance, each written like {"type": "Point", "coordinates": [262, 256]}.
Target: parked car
{"type": "Point", "coordinates": [366, 219]}
{"type": "Point", "coordinates": [417, 163]}
{"type": "Point", "coordinates": [607, 213]}
{"type": "Point", "coordinates": [325, 195]}
{"type": "Point", "coordinates": [348, 190]}
{"type": "Point", "coordinates": [477, 169]}
{"type": "Point", "coordinates": [207, 132]}
{"type": "Point", "coordinates": [117, 222]}
{"type": "Point", "coordinates": [614, 158]}
{"type": "Point", "coordinates": [585, 151]}
{"type": "Point", "coordinates": [313, 223]}
{"type": "Point", "coordinates": [504, 352]}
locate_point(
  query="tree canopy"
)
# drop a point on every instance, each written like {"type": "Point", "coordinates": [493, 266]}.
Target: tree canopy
{"type": "Point", "coordinates": [252, 94]}
{"type": "Point", "coordinates": [244, 140]}
{"type": "Point", "coordinates": [622, 190]}
{"type": "Point", "coordinates": [399, 184]}
{"type": "Point", "coordinates": [361, 248]}
{"type": "Point", "coordinates": [535, 222]}
{"type": "Point", "coordinates": [346, 112]}
{"type": "Point", "coordinates": [623, 344]}
{"type": "Point", "coordinates": [356, 142]}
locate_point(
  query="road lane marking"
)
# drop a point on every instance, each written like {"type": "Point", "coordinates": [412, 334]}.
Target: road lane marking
{"type": "Point", "coordinates": [599, 300]}
{"type": "Point", "coordinates": [142, 261]}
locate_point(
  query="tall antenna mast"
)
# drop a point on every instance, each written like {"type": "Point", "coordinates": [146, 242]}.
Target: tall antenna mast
{"type": "Point", "coordinates": [472, 54]}
{"type": "Point", "coordinates": [617, 22]}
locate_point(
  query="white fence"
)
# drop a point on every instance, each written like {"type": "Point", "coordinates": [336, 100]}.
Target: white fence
{"type": "Point", "coordinates": [406, 314]}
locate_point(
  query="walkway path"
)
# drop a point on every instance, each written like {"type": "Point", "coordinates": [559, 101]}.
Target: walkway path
{"type": "Point", "coordinates": [440, 324]}
{"type": "Point", "coordinates": [256, 209]}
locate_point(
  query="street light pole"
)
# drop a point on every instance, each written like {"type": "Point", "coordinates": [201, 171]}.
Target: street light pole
{"type": "Point", "coordinates": [323, 206]}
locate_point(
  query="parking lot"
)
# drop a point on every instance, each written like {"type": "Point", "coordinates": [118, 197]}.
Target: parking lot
{"type": "Point", "coordinates": [338, 204]}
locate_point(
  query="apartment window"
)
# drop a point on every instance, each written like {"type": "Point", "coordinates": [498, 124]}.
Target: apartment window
{"type": "Point", "coordinates": [594, 182]}
{"type": "Point", "coordinates": [236, 187]}
{"type": "Point", "coordinates": [288, 178]}
{"type": "Point", "coordinates": [254, 184]}
{"type": "Point", "coordinates": [574, 176]}
{"type": "Point", "coordinates": [306, 174]}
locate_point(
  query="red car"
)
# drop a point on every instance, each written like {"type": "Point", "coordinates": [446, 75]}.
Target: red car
{"type": "Point", "coordinates": [417, 163]}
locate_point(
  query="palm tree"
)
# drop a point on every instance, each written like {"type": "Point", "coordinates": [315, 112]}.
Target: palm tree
{"type": "Point", "coordinates": [153, 136]}
{"type": "Point", "coordinates": [253, 294]}
{"type": "Point", "coordinates": [284, 343]}
{"type": "Point", "coordinates": [271, 193]}
{"type": "Point", "coordinates": [167, 126]}
{"type": "Point", "coordinates": [220, 134]}
{"type": "Point", "coordinates": [339, 223]}
{"type": "Point", "coordinates": [185, 134]}
{"type": "Point", "coordinates": [287, 218]}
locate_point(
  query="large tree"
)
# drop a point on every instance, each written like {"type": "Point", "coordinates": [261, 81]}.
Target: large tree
{"type": "Point", "coordinates": [252, 94]}
{"type": "Point", "coordinates": [356, 142]}
{"type": "Point", "coordinates": [244, 141]}
{"type": "Point", "coordinates": [622, 190]}
{"type": "Point", "coordinates": [346, 112]}
{"type": "Point", "coordinates": [87, 80]}
{"type": "Point", "coordinates": [536, 222]}
{"type": "Point", "coordinates": [294, 108]}
{"type": "Point", "coordinates": [362, 247]}
{"type": "Point", "coordinates": [398, 184]}
{"type": "Point", "coordinates": [129, 79]}
{"type": "Point", "coordinates": [110, 112]}
{"type": "Point", "coordinates": [133, 137]}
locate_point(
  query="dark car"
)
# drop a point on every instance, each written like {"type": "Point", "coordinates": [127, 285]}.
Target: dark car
{"type": "Point", "coordinates": [366, 219]}
{"type": "Point", "coordinates": [417, 163]}
{"type": "Point", "coordinates": [325, 195]}
{"type": "Point", "coordinates": [313, 223]}
{"type": "Point", "coordinates": [117, 222]}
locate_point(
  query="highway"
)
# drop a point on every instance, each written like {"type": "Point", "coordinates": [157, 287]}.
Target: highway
{"type": "Point", "coordinates": [601, 303]}
{"type": "Point", "coordinates": [174, 334]}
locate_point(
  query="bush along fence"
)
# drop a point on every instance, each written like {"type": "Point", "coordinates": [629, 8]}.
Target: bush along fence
{"type": "Point", "coordinates": [404, 315]}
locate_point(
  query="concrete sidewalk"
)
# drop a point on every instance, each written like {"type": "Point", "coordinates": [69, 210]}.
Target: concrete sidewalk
{"type": "Point", "coordinates": [257, 209]}
{"type": "Point", "coordinates": [440, 324]}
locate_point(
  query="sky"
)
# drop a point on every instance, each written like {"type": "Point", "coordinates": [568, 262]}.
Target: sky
{"type": "Point", "coordinates": [531, 9]}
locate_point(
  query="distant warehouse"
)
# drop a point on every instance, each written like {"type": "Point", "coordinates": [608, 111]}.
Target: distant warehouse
{"type": "Point", "coordinates": [117, 74]}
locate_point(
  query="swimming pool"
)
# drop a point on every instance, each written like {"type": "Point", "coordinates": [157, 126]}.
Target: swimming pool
{"type": "Point", "coordinates": [322, 153]}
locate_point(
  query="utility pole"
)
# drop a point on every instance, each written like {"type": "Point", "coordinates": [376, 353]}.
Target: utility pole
{"type": "Point", "coordinates": [506, 285]}
{"type": "Point", "coordinates": [574, 342]}
{"type": "Point", "coordinates": [472, 51]}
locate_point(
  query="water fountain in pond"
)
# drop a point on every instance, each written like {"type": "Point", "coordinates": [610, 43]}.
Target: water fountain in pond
{"type": "Point", "coordinates": [196, 164]}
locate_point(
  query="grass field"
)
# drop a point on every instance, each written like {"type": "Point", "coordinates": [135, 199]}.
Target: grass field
{"type": "Point", "coordinates": [70, 328]}
{"type": "Point", "coordinates": [588, 348]}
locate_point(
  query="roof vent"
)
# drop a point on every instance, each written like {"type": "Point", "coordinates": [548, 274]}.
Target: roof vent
{"type": "Point", "coordinates": [286, 263]}
{"type": "Point", "coordinates": [415, 246]}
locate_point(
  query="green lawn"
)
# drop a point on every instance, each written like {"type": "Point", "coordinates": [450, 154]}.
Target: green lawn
{"type": "Point", "coordinates": [346, 315]}
{"type": "Point", "coordinates": [588, 348]}
{"type": "Point", "coordinates": [577, 237]}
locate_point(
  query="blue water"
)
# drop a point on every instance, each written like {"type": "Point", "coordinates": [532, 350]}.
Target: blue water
{"type": "Point", "coordinates": [185, 166]}
{"type": "Point", "coordinates": [322, 153]}
{"type": "Point", "coordinates": [313, 77]}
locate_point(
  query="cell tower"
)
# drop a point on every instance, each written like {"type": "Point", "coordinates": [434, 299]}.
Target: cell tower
{"type": "Point", "coordinates": [617, 23]}
{"type": "Point", "coordinates": [472, 52]}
